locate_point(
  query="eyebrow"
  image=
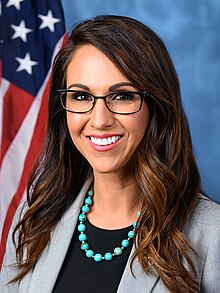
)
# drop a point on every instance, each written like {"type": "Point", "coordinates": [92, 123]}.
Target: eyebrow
{"type": "Point", "coordinates": [111, 88]}
{"type": "Point", "coordinates": [117, 85]}
{"type": "Point", "coordinates": [82, 86]}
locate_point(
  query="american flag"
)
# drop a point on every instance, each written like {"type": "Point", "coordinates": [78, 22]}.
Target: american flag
{"type": "Point", "coordinates": [31, 33]}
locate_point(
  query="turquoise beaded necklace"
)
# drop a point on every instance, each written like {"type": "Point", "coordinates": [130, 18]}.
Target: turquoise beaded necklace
{"type": "Point", "coordinates": [98, 257]}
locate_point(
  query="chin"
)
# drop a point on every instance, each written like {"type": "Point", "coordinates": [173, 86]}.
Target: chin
{"type": "Point", "coordinates": [103, 170]}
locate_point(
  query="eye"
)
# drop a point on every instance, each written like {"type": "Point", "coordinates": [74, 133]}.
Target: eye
{"type": "Point", "coordinates": [80, 97]}
{"type": "Point", "coordinates": [123, 97]}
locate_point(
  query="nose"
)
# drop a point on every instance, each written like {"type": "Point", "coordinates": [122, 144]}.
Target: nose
{"type": "Point", "coordinates": [101, 117]}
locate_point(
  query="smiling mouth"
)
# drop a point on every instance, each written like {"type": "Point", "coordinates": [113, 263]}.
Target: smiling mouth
{"type": "Point", "coordinates": [104, 141]}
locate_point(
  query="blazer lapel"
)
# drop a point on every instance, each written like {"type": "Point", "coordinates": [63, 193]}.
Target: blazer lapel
{"type": "Point", "coordinates": [48, 266]}
{"type": "Point", "coordinates": [140, 282]}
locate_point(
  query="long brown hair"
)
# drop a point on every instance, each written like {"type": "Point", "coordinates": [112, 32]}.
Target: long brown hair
{"type": "Point", "coordinates": [165, 167]}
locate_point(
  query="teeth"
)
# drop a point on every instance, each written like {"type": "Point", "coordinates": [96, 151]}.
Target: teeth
{"type": "Point", "coordinates": [105, 141]}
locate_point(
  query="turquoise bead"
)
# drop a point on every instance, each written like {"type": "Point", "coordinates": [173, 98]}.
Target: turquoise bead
{"type": "Point", "coordinates": [89, 253]}
{"type": "Point", "coordinates": [81, 227]}
{"type": "Point", "coordinates": [85, 209]}
{"type": "Point", "coordinates": [82, 217]}
{"type": "Point", "coordinates": [82, 237]}
{"type": "Point", "coordinates": [108, 256]}
{"type": "Point", "coordinates": [90, 192]}
{"type": "Point", "coordinates": [135, 224]}
{"type": "Point", "coordinates": [117, 251]}
{"type": "Point", "coordinates": [125, 243]}
{"type": "Point", "coordinates": [131, 234]}
{"type": "Point", "coordinates": [84, 246]}
{"type": "Point", "coordinates": [88, 201]}
{"type": "Point", "coordinates": [97, 257]}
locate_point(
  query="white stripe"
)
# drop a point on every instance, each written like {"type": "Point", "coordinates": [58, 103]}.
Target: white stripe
{"type": "Point", "coordinates": [3, 89]}
{"type": "Point", "coordinates": [13, 162]}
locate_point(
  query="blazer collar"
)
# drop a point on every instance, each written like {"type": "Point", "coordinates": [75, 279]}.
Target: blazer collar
{"type": "Point", "coordinates": [140, 282]}
{"type": "Point", "coordinates": [48, 266]}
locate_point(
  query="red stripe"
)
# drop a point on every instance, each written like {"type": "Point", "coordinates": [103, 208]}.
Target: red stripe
{"type": "Point", "coordinates": [65, 39]}
{"type": "Point", "coordinates": [16, 104]}
{"type": "Point", "coordinates": [33, 152]}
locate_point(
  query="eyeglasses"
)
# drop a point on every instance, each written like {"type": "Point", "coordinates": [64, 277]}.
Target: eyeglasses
{"type": "Point", "coordinates": [117, 102]}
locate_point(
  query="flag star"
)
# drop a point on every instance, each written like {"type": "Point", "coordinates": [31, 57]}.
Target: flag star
{"type": "Point", "coordinates": [21, 31]}
{"type": "Point", "coordinates": [26, 63]}
{"type": "Point", "coordinates": [48, 21]}
{"type": "Point", "coordinates": [16, 3]}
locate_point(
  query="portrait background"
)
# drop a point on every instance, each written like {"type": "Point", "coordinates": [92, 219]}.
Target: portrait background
{"type": "Point", "coordinates": [190, 30]}
{"type": "Point", "coordinates": [31, 30]}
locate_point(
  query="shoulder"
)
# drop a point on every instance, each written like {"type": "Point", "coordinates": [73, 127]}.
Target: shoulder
{"type": "Point", "coordinates": [204, 234]}
{"type": "Point", "coordinates": [206, 213]}
{"type": "Point", "coordinates": [203, 225]}
{"type": "Point", "coordinates": [22, 208]}
{"type": "Point", "coordinates": [9, 271]}
{"type": "Point", "coordinates": [204, 219]}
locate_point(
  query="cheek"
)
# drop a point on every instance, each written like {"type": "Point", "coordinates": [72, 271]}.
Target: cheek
{"type": "Point", "coordinates": [74, 123]}
{"type": "Point", "coordinates": [140, 122]}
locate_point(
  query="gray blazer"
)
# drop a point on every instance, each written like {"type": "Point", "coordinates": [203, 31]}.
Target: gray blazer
{"type": "Point", "coordinates": [202, 229]}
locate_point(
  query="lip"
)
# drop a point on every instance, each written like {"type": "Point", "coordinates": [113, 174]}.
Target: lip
{"type": "Point", "coordinates": [103, 148]}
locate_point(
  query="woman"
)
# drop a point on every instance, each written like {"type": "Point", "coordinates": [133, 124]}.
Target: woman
{"type": "Point", "coordinates": [117, 169]}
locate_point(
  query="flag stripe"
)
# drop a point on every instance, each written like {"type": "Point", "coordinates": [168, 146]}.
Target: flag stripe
{"type": "Point", "coordinates": [30, 158]}
{"type": "Point", "coordinates": [4, 85]}
{"type": "Point", "coordinates": [13, 114]}
{"type": "Point", "coordinates": [15, 157]}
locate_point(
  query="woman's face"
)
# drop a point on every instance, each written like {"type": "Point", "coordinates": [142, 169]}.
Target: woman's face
{"type": "Point", "coordinates": [91, 71]}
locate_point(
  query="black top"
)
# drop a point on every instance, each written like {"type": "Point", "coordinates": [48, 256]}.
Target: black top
{"type": "Point", "coordinates": [80, 274]}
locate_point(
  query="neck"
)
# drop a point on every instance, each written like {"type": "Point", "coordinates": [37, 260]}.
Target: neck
{"type": "Point", "coordinates": [117, 201]}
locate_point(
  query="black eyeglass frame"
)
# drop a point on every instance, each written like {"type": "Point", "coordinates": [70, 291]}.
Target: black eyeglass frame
{"type": "Point", "coordinates": [142, 94]}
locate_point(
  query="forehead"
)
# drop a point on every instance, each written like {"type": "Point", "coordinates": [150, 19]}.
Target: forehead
{"type": "Point", "coordinates": [91, 67]}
